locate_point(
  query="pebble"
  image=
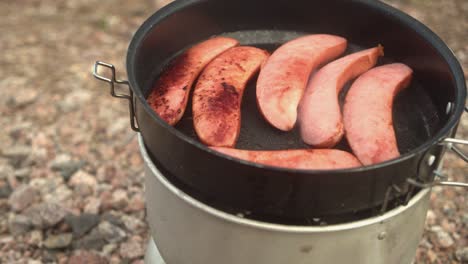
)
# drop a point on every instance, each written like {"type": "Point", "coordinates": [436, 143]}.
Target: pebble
{"type": "Point", "coordinates": [465, 219]}
{"type": "Point", "coordinates": [22, 197]}
{"type": "Point", "coordinates": [24, 98]}
{"type": "Point", "coordinates": [19, 224]}
{"type": "Point", "coordinates": [58, 241]}
{"type": "Point", "coordinates": [462, 255]}
{"type": "Point", "coordinates": [5, 190]}
{"type": "Point", "coordinates": [119, 199]}
{"type": "Point", "coordinates": [111, 233]}
{"type": "Point", "coordinates": [66, 166]}
{"type": "Point", "coordinates": [6, 171]}
{"type": "Point", "coordinates": [81, 224]}
{"type": "Point", "coordinates": [46, 186]}
{"type": "Point", "coordinates": [60, 161]}
{"type": "Point", "coordinates": [132, 223]}
{"type": "Point", "coordinates": [108, 249]}
{"type": "Point", "coordinates": [131, 250]}
{"type": "Point", "coordinates": [93, 240]}
{"type": "Point", "coordinates": [87, 257]}
{"type": "Point", "coordinates": [16, 154]}
{"type": "Point", "coordinates": [46, 214]}
{"type": "Point", "coordinates": [73, 100]}
{"type": "Point", "coordinates": [83, 178]}
{"type": "Point", "coordinates": [60, 194]}
{"type": "Point", "coordinates": [92, 205]}
{"type": "Point", "coordinates": [137, 203]}
{"type": "Point", "coordinates": [112, 218]}
{"type": "Point", "coordinates": [444, 239]}
{"type": "Point", "coordinates": [23, 173]}
{"type": "Point", "coordinates": [35, 238]}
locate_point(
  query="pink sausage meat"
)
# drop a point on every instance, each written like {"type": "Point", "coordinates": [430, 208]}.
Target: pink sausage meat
{"type": "Point", "coordinates": [319, 112]}
{"type": "Point", "coordinates": [284, 76]}
{"type": "Point", "coordinates": [367, 113]}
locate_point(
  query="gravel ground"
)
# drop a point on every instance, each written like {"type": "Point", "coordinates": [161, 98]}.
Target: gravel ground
{"type": "Point", "coordinates": [71, 179]}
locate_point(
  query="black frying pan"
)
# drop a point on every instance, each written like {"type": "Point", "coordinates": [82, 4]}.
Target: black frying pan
{"type": "Point", "coordinates": [420, 116]}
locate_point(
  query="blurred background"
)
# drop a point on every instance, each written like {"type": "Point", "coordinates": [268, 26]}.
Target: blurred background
{"type": "Point", "coordinates": [71, 179]}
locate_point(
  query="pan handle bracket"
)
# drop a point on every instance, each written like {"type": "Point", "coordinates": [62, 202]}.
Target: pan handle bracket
{"type": "Point", "coordinates": [450, 144]}
{"type": "Point", "coordinates": [112, 81]}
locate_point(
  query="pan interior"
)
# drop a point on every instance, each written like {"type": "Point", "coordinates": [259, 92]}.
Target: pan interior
{"type": "Point", "coordinates": [415, 115]}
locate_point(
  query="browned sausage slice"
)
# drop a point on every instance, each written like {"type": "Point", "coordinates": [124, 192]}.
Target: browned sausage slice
{"type": "Point", "coordinates": [283, 79]}
{"type": "Point", "coordinates": [367, 113]}
{"type": "Point", "coordinates": [319, 112]}
{"type": "Point", "coordinates": [171, 91]}
{"type": "Point", "coordinates": [308, 159]}
{"type": "Point", "coordinates": [218, 95]}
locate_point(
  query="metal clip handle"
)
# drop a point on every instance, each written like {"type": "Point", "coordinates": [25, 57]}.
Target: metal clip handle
{"type": "Point", "coordinates": [112, 81]}
{"type": "Point", "coordinates": [450, 144]}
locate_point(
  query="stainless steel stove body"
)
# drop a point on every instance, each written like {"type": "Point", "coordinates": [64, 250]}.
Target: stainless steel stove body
{"type": "Point", "coordinates": [188, 231]}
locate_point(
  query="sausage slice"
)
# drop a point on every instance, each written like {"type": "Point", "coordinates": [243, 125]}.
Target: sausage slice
{"type": "Point", "coordinates": [284, 76]}
{"type": "Point", "coordinates": [171, 91]}
{"type": "Point", "coordinates": [218, 95]}
{"type": "Point", "coordinates": [311, 159]}
{"type": "Point", "coordinates": [367, 113]}
{"type": "Point", "coordinates": [319, 112]}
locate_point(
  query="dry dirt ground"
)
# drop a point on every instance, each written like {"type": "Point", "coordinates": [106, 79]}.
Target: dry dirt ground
{"type": "Point", "coordinates": [70, 173]}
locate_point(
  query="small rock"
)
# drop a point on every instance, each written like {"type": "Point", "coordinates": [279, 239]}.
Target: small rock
{"type": "Point", "coordinates": [87, 257]}
{"type": "Point", "coordinates": [73, 100]}
{"type": "Point", "coordinates": [92, 205]}
{"type": "Point", "coordinates": [111, 233]}
{"type": "Point", "coordinates": [131, 250]}
{"type": "Point", "coordinates": [61, 194]}
{"type": "Point", "coordinates": [465, 219]}
{"type": "Point", "coordinates": [26, 97]}
{"type": "Point", "coordinates": [31, 261]}
{"type": "Point", "coordinates": [431, 255]}
{"type": "Point", "coordinates": [46, 186]}
{"type": "Point", "coordinates": [35, 238]}
{"type": "Point", "coordinates": [431, 218]}
{"type": "Point", "coordinates": [66, 166]}
{"type": "Point", "coordinates": [137, 203]}
{"type": "Point", "coordinates": [58, 241]}
{"type": "Point", "coordinates": [82, 177]}
{"type": "Point", "coordinates": [108, 249]}
{"type": "Point", "coordinates": [444, 239]}
{"type": "Point", "coordinates": [19, 130]}
{"type": "Point", "coordinates": [16, 154]}
{"type": "Point", "coordinates": [119, 199]}
{"type": "Point", "coordinates": [462, 255]}
{"type": "Point", "coordinates": [22, 197]}
{"type": "Point", "coordinates": [449, 210]}
{"type": "Point", "coordinates": [117, 126]}
{"type": "Point", "coordinates": [93, 240]}
{"type": "Point", "coordinates": [45, 214]}
{"type": "Point", "coordinates": [5, 190]}
{"type": "Point", "coordinates": [49, 256]}
{"type": "Point", "coordinates": [81, 224]}
{"type": "Point", "coordinates": [23, 173]}
{"type": "Point", "coordinates": [112, 218]}
{"type": "Point", "coordinates": [19, 224]}
{"type": "Point", "coordinates": [60, 161]}
{"type": "Point", "coordinates": [5, 171]}
{"type": "Point", "coordinates": [132, 223]}
{"type": "Point", "coordinates": [82, 190]}
{"type": "Point", "coordinates": [425, 243]}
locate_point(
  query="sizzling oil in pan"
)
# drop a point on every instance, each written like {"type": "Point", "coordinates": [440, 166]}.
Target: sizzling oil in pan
{"type": "Point", "coordinates": [415, 115]}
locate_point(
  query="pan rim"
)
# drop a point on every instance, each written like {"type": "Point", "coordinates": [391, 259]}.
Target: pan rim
{"type": "Point", "coordinates": [417, 27]}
